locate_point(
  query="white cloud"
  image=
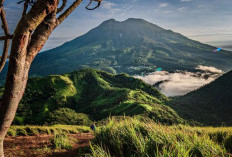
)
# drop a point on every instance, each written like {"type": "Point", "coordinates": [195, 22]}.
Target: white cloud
{"type": "Point", "coordinates": [209, 69]}
{"type": "Point", "coordinates": [107, 5]}
{"type": "Point", "coordinates": [167, 11]}
{"type": "Point", "coordinates": [181, 82]}
{"type": "Point", "coordinates": [163, 5]}
{"type": "Point", "coordinates": [181, 9]}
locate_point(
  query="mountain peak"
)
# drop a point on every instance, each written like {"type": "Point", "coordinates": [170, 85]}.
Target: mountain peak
{"type": "Point", "coordinates": [132, 46]}
{"type": "Point", "coordinates": [110, 21]}
{"type": "Point", "coordinates": [133, 28]}
{"type": "Point", "coordinates": [135, 19]}
{"type": "Point", "coordinates": [129, 21]}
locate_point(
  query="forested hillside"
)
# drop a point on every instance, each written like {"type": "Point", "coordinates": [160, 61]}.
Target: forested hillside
{"type": "Point", "coordinates": [97, 94]}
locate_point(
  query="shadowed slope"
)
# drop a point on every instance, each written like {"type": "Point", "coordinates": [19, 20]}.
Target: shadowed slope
{"type": "Point", "coordinates": [211, 104]}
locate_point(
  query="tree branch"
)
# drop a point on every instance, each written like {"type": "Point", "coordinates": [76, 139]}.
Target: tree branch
{"type": "Point", "coordinates": [6, 37]}
{"type": "Point", "coordinates": [7, 40]}
{"type": "Point", "coordinates": [7, 56]}
{"type": "Point", "coordinates": [64, 2]}
{"type": "Point", "coordinates": [90, 2]}
{"type": "Point", "coordinates": [25, 7]}
{"type": "Point", "coordinates": [1, 3]}
{"type": "Point", "coordinates": [68, 11]}
{"type": "Point", "coordinates": [40, 36]}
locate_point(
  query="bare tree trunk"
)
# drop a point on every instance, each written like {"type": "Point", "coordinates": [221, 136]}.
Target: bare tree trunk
{"type": "Point", "coordinates": [17, 73]}
{"type": "Point", "coordinates": [40, 21]}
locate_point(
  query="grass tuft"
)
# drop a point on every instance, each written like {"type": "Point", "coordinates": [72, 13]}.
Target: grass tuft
{"type": "Point", "coordinates": [61, 141]}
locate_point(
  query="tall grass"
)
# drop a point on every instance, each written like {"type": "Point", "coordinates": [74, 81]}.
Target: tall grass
{"type": "Point", "coordinates": [48, 130]}
{"type": "Point", "coordinates": [61, 141]}
{"type": "Point", "coordinates": [131, 137]}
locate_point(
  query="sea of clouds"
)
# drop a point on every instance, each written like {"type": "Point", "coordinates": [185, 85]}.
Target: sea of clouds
{"type": "Point", "coordinates": [181, 82]}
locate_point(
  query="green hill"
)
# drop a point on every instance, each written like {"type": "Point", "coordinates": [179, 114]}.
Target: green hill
{"type": "Point", "coordinates": [97, 94]}
{"type": "Point", "coordinates": [211, 104]}
{"type": "Point", "coordinates": [133, 46]}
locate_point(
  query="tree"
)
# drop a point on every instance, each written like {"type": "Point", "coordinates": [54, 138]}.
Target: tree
{"type": "Point", "coordinates": [30, 35]}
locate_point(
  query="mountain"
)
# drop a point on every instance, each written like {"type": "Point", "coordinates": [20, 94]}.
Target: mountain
{"type": "Point", "coordinates": [211, 104]}
{"type": "Point", "coordinates": [95, 93]}
{"type": "Point", "coordinates": [133, 46]}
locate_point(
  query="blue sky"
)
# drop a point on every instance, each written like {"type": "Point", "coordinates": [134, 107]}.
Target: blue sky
{"type": "Point", "coordinates": [209, 21]}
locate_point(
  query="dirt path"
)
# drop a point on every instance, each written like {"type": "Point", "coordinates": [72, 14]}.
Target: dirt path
{"type": "Point", "coordinates": [40, 146]}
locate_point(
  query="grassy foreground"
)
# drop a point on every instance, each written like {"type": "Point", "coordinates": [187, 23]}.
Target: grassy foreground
{"type": "Point", "coordinates": [46, 130]}
{"type": "Point", "coordinates": [131, 137]}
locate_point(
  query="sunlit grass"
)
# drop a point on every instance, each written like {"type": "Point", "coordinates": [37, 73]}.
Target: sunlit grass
{"type": "Point", "coordinates": [131, 137]}
{"type": "Point", "coordinates": [47, 130]}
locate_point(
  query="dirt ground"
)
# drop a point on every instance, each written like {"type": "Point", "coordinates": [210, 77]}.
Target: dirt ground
{"type": "Point", "coordinates": [40, 146]}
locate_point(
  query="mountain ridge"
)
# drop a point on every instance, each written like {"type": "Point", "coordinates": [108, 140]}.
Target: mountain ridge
{"type": "Point", "coordinates": [133, 46]}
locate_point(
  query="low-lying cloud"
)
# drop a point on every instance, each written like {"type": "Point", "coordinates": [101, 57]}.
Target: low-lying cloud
{"type": "Point", "coordinates": [181, 82]}
{"type": "Point", "coordinates": [209, 69]}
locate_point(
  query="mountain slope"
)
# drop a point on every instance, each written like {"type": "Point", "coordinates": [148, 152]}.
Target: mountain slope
{"type": "Point", "coordinates": [95, 93]}
{"type": "Point", "coordinates": [133, 46]}
{"type": "Point", "coordinates": [211, 104]}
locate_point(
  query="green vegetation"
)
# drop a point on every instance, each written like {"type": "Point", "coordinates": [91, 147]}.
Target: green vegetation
{"type": "Point", "coordinates": [69, 117]}
{"type": "Point", "coordinates": [61, 141]}
{"type": "Point", "coordinates": [45, 130]}
{"type": "Point", "coordinates": [79, 97]}
{"type": "Point", "coordinates": [84, 96]}
{"type": "Point", "coordinates": [138, 137]}
{"type": "Point", "coordinates": [131, 137]}
{"type": "Point", "coordinates": [210, 105]}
